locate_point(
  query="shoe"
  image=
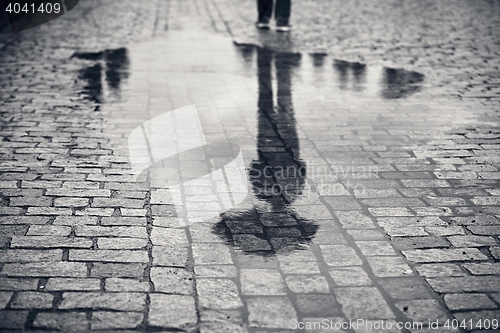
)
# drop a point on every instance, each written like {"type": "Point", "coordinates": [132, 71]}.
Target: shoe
{"type": "Point", "coordinates": [262, 25]}
{"type": "Point", "coordinates": [283, 28]}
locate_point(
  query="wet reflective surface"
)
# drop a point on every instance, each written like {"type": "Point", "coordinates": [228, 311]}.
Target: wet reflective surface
{"type": "Point", "coordinates": [279, 175]}
{"type": "Point", "coordinates": [339, 178]}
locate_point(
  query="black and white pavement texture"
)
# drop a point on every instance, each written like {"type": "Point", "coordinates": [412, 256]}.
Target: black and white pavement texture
{"type": "Point", "coordinates": [389, 110]}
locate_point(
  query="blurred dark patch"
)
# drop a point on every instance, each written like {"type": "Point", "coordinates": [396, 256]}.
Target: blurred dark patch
{"type": "Point", "coordinates": [110, 65]}
{"type": "Point", "coordinates": [400, 83]}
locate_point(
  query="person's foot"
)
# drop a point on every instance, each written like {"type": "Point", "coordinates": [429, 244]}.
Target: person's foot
{"type": "Point", "coordinates": [283, 28]}
{"type": "Point", "coordinates": [262, 25]}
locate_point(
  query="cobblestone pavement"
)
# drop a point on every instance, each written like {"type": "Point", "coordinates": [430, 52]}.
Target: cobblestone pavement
{"type": "Point", "coordinates": [374, 193]}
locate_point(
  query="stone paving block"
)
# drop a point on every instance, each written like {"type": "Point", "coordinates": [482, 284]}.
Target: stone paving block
{"type": "Point", "coordinates": [250, 242]}
{"type": "Point", "coordinates": [443, 255]}
{"type": "Point", "coordinates": [218, 294]}
{"type": "Point", "coordinates": [394, 202]}
{"type": "Point", "coordinates": [485, 230]}
{"type": "Point", "coordinates": [439, 270]}
{"type": "Point", "coordinates": [314, 212]}
{"type": "Point", "coordinates": [13, 319]}
{"type": "Point", "coordinates": [71, 202]}
{"type": "Point", "coordinates": [340, 255]}
{"type": "Point", "coordinates": [477, 317]}
{"type": "Point", "coordinates": [211, 253]}
{"type": "Point", "coordinates": [123, 256]}
{"type": "Point", "coordinates": [318, 305]}
{"type": "Point", "coordinates": [172, 311]}
{"type": "Point", "coordinates": [112, 301]}
{"type": "Point", "coordinates": [471, 241]}
{"type": "Point", "coordinates": [32, 300]}
{"type": "Point", "coordinates": [115, 231]}
{"type": "Point", "coordinates": [48, 211]}
{"type": "Point", "coordinates": [75, 220]}
{"type": "Point", "coordinates": [350, 276]}
{"type": "Point", "coordinates": [405, 288]}
{"type": "Point", "coordinates": [391, 211]}
{"type": "Point", "coordinates": [72, 192]}
{"type": "Point", "coordinates": [119, 284]}
{"type": "Point", "coordinates": [45, 269]}
{"type": "Point", "coordinates": [18, 255]}
{"type": "Point", "coordinates": [388, 266]}
{"type": "Point", "coordinates": [408, 243]}
{"type": "Point", "coordinates": [5, 297]}
{"type": "Point", "coordinates": [432, 211]}
{"type": "Point", "coordinates": [48, 230]}
{"type": "Point", "coordinates": [342, 203]}
{"type": "Point", "coordinates": [65, 321]}
{"type": "Point", "coordinates": [307, 284]}
{"type": "Point", "coordinates": [49, 242]}
{"type": "Point", "coordinates": [299, 267]}
{"type": "Point", "coordinates": [486, 201]}
{"type": "Point", "coordinates": [18, 283]}
{"type": "Point", "coordinates": [222, 321]}
{"type": "Point", "coordinates": [103, 320]}
{"type": "Point", "coordinates": [468, 302]}
{"type": "Point", "coordinates": [251, 260]}
{"type": "Point", "coordinates": [114, 243]}
{"type": "Point", "coordinates": [445, 231]}
{"type": "Point", "coordinates": [168, 236]}
{"type": "Point", "coordinates": [270, 312]}
{"type": "Point", "coordinates": [132, 270]}
{"type": "Point", "coordinates": [261, 282]}
{"type": "Point", "coordinates": [495, 251]}
{"type": "Point", "coordinates": [483, 268]}
{"type": "Point", "coordinates": [376, 193]}
{"type": "Point", "coordinates": [71, 284]}
{"type": "Point", "coordinates": [366, 235]}
{"type": "Point", "coordinates": [371, 306]}
{"type": "Point", "coordinates": [462, 284]}
{"type": "Point", "coordinates": [170, 255]}
{"type": "Point", "coordinates": [124, 221]}
{"type": "Point", "coordinates": [216, 271]}
{"type": "Point", "coordinates": [20, 220]}
{"type": "Point", "coordinates": [375, 248]}
{"type": "Point", "coordinates": [425, 183]}
{"type": "Point", "coordinates": [355, 220]}
{"type": "Point", "coordinates": [172, 280]}
{"type": "Point", "coordinates": [422, 310]}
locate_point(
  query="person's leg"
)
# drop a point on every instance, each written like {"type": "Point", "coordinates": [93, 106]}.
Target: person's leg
{"type": "Point", "coordinates": [265, 9]}
{"type": "Point", "coordinates": [282, 12]}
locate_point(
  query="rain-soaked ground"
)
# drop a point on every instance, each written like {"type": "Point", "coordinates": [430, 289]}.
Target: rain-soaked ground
{"type": "Point", "coordinates": [344, 169]}
{"type": "Point", "coordinates": [368, 195]}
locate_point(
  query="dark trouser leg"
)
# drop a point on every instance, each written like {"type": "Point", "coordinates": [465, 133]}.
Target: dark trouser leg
{"type": "Point", "coordinates": [265, 8]}
{"type": "Point", "coordinates": [282, 12]}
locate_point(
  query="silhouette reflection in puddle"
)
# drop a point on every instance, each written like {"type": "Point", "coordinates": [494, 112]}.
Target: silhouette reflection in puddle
{"type": "Point", "coordinates": [112, 65]}
{"type": "Point", "coordinates": [278, 176]}
{"type": "Point", "coordinates": [345, 69]}
{"type": "Point", "coordinates": [399, 83]}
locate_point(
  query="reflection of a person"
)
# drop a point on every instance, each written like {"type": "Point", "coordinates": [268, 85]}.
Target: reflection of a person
{"type": "Point", "coordinates": [279, 169]}
{"type": "Point", "coordinates": [278, 175]}
{"type": "Point", "coordinates": [358, 73]}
